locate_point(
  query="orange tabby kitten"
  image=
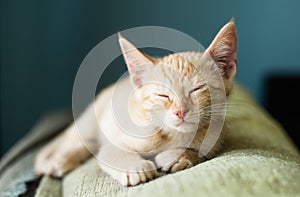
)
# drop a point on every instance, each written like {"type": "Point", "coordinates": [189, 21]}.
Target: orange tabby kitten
{"type": "Point", "coordinates": [183, 97]}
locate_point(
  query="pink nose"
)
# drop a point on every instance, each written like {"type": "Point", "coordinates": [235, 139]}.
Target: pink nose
{"type": "Point", "coordinates": [181, 113]}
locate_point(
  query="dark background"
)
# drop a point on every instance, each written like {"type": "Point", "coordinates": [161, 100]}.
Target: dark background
{"type": "Point", "coordinates": [44, 42]}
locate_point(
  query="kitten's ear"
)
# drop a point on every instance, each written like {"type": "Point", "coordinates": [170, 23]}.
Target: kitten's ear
{"type": "Point", "coordinates": [137, 62]}
{"type": "Point", "coordinates": [223, 50]}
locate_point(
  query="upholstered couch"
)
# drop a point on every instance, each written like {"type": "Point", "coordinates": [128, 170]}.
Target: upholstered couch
{"type": "Point", "coordinates": [258, 160]}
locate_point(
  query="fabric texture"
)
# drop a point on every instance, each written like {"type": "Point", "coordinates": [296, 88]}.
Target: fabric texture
{"type": "Point", "coordinates": [258, 159]}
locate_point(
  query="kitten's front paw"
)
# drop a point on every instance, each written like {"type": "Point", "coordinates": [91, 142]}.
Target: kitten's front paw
{"type": "Point", "coordinates": [139, 172]}
{"type": "Point", "coordinates": [175, 160]}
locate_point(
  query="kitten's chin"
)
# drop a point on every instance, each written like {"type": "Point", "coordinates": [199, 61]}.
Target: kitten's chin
{"type": "Point", "coordinates": [185, 128]}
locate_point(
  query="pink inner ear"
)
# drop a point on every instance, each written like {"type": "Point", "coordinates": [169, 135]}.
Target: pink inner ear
{"type": "Point", "coordinates": [137, 72]}
{"type": "Point", "coordinates": [224, 49]}
{"type": "Point", "coordinates": [136, 61]}
{"type": "Point", "coordinates": [137, 64]}
{"type": "Point", "coordinates": [229, 70]}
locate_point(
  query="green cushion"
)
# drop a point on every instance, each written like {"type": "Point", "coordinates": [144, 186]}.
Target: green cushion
{"type": "Point", "coordinates": [258, 160]}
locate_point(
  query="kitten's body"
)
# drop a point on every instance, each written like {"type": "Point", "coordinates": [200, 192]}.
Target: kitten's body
{"type": "Point", "coordinates": [172, 147]}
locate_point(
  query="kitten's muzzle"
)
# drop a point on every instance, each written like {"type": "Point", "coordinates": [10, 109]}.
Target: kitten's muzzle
{"type": "Point", "coordinates": [181, 113]}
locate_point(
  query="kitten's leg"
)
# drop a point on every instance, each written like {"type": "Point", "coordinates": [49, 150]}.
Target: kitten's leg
{"type": "Point", "coordinates": [61, 155]}
{"type": "Point", "coordinates": [68, 150]}
{"type": "Point", "coordinates": [128, 168]}
{"type": "Point", "coordinates": [173, 160]}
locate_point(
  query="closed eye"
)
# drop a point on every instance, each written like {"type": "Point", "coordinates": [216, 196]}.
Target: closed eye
{"type": "Point", "coordinates": [198, 89]}
{"type": "Point", "coordinates": [163, 96]}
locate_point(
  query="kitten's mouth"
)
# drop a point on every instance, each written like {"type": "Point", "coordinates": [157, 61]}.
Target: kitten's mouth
{"type": "Point", "coordinates": [184, 123]}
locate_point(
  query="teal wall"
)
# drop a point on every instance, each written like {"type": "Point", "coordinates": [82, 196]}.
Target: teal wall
{"type": "Point", "coordinates": [44, 42]}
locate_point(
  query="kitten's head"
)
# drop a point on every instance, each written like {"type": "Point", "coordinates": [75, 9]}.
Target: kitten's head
{"type": "Point", "coordinates": [178, 82]}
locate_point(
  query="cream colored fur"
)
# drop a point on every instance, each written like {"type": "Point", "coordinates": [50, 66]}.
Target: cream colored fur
{"type": "Point", "coordinates": [170, 83]}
